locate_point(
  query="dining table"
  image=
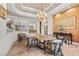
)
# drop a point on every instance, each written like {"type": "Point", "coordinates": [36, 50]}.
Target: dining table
{"type": "Point", "coordinates": [45, 42]}
{"type": "Point", "coordinates": [43, 38]}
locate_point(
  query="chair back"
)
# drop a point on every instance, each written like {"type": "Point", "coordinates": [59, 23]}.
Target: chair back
{"type": "Point", "coordinates": [32, 41]}
{"type": "Point", "coordinates": [59, 37]}
{"type": "Point", "coordinates": [57, 46]}
{"type": "Point", "coordinates": [21, 36]}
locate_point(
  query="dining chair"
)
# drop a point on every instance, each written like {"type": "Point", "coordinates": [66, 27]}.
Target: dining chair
{"type": "Point", "coordinates": [61, 37]}
{"type": "Point", "coordinates": [67, 39]}
{"type": "Point", "coordinates": [31, 42]}
{"type": "Point", "coordinates": [48, 46]}
{"type": "Point", "coordinates": [21, 36]}
{"type": "Point", "coordinates": [57, 47]}
{"type": "Point", "coordinates": [40, 45]}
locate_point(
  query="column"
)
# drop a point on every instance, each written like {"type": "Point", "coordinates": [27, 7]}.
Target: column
{"type": "Point", "coordinates": [50, 25]}
{"type": "Point", "coordinates": [42, 28]}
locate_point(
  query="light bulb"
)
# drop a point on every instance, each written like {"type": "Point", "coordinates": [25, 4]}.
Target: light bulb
{"type": "Point", "coordinates": [37, 14]}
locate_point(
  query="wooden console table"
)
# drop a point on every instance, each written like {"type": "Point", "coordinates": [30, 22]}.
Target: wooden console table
{"type": "Point", "coordinates": [65, 35]}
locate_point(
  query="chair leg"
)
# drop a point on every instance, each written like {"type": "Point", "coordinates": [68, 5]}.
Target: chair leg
{"type": "Point", "coordinates": [58, 52]}
{"type": "Point", "coordinates": [28, 48]}
{"type": "Point", "coordinates": [27, 45]}
{"type": "Point", "coordinates": [61, 53]}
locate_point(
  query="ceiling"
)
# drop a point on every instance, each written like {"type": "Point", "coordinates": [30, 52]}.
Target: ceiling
{"type": "Point", "coordinates": [37, 5]}
{"type": "Point", "coordinates": [31, 9]}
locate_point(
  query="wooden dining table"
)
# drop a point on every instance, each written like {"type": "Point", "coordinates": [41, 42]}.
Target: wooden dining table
{"type": "Point", "coordinates": [43, 38]}
{"type": "Point", "coordinates": [44, 41]}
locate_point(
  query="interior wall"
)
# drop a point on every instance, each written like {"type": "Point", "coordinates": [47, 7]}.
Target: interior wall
{"type": "Point", "coordinates": [24, 21]}
{"type": "Point", "coordinates": [2, 11]}
{"type": "Point", "coordinates": [71, 12]}
{"type": "Point", "coordinates": [6, 39]}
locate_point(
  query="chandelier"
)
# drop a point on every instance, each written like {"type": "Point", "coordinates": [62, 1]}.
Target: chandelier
{"type": "Point", "coordinates": [42, 15]}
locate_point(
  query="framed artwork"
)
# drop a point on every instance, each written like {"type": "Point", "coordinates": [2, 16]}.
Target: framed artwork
{"type": "Point", "coordinates": [66, 23]}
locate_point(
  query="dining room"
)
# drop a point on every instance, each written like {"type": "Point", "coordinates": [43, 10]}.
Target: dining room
{"type": "Point", "coordinates": [40, 29]}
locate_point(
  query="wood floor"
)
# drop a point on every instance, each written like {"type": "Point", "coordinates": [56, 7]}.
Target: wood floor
{"type": "Point", "coordinates": [19, 49]}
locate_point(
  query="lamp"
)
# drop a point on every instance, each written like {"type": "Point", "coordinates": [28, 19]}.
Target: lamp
{"type": "Point", "coordinates": [61, 28]}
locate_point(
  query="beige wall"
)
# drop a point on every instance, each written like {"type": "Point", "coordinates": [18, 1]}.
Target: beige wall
{"type": "Point", "coordinates": [2, 11]}
{"type": "Point", "coordinates": [71, 12]}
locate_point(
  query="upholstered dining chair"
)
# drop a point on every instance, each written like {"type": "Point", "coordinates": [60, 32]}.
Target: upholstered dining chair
{"type": "Point", "coordinates": [60, 37]}
{"type": "Point", "coordinates": [58, 47]}
{"type": "Point", "coordinates": [66, 39]}
{"type": "Point", "coordinates": [48, 46]}
{"type": "Point", "coordinates": [21, 36]}
{"type": "Point", "coordinates": [31, 42]}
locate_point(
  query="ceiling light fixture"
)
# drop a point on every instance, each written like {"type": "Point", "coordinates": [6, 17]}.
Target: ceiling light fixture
{"type": "Point", "coordinates": [42, 15]}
